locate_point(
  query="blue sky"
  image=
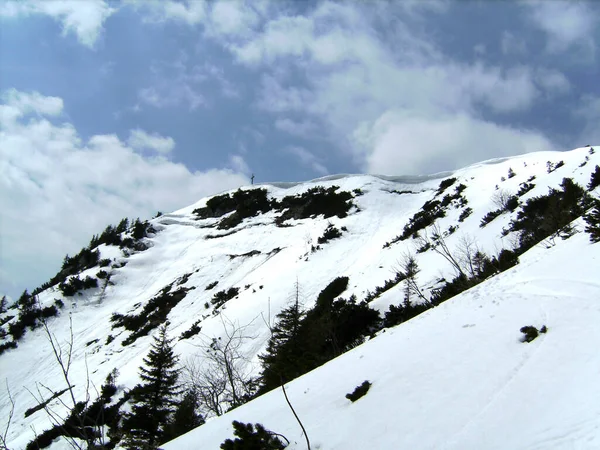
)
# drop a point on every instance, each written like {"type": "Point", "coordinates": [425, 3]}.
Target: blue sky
{"type": "Point", "coordinates": [113, 109]}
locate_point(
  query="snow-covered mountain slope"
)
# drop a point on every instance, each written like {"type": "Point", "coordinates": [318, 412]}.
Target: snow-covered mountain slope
{"type": "Point", "coordinates": [456, 376]}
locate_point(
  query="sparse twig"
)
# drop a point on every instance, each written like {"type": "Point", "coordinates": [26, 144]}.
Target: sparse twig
{"type": "Point", "coordinates": [3, 437]}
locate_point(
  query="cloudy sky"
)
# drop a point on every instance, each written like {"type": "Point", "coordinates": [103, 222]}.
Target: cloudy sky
{"type": "Point", "coordinates": [114, 109]}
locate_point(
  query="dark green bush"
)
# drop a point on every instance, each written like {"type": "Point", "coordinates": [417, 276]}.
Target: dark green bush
{"type": "Point", "coordinates": [211, 285]}
{"type": "Point", "coordinates": [594, 179]}
{"type": "Point", "coordinates": [550, 215]}
{"type": "Point", "coordinates": [529, 333]}
{"type": "Point", "coordinates": [252, 437]}
{"type": "Point", "coordinates": [314, 202]}
{"type": "Point", "coordinates": [221, 297]}
{"type": "Point", "coordinates": [330, 233]}
{"type": "Point", "coordinates": [464, 214]}
{"type": "Point", "coordinates": [444, 184]}
{"type": "Point", "coordinates": [359, 391]}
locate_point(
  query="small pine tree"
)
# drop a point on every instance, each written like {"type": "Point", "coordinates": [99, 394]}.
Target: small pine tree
{"type": "Point", "coordinates": [185, 417]}
{"type": "Point", "coordinates": [154, 400]}
{"type": "Point", "coordinates": [511, 172]}
{"type": "Point", "coordinates": [282, 360]}
{"type": "Point", "coordinates": [3, 305]}
{"type": "Point", "coordinates": [594, 179]}
{"type": "Point", "coordinates": [592, 218]}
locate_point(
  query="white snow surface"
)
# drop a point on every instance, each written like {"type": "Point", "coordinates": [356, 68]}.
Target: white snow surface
{"type": "Point", "coordinates": [455, 377]}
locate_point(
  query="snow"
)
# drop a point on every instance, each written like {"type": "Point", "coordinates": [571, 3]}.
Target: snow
{"type": "Point", "coordinates": [455, 377]}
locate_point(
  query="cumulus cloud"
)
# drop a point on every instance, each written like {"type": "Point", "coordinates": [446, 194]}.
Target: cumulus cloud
{"type": "Point", "coordinates": [183, 81]}
{"type": "Point", "coordinates": [238, 163]}
{"type": "Point", "coordinates": [84, 19]}
{"type": "Point", "coordinates": [512, 45]}
{"type": "Point", "coordinates": [401, 143]}
{"type": "Point", "coordinates": [308, 159]}
{"type": "Point", "coordinates": [57, 189]}
{"type": "Point", "coordinates": [589, 115]}
{"type": "Point", "coordinates": [303, 128]}
{"type": "Point", "coordinates": [140, 140]}
{"type": "Point", "coordinates": [357, 81]}
{"type": "Point", "coordinates": [565, 23]}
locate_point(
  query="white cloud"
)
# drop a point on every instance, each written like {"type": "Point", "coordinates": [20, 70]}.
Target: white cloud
{"type": "Point", "coordinates": [160, 11]}
{"type": "Point", "coordinates": [232, 18]}
{"type": "Point", "coordinates": [512, 45]}
{"type": "Point", "coordinates": [238, 164]}
{"type": "Point", "coordinates": [401, 143]}
{"type": "Point", "coordinates": [565, 23]}
{"type": "Point", "coordinates": [480, 49]}
{"type": "Point", "coordinates": [553, 81]}
{"type": "Point", "coordinates": [304, 128]}
{"type": "Point", "coordinates": [308, 159]}
{"type": "Point", "coordinates": [17, 104]}
{"type": "Point", "coordinates": [85, 19]}
{"type": "Point", "coordinates": [56, 189]}
{"type": "Point", "coordinates": [140, 140]}
{"type": "Point", "coordinates": [362, 77]}
{"type": "Point", "coordinates": [182, 81]}
{"type": "Point", "coordinates": [589, 115]}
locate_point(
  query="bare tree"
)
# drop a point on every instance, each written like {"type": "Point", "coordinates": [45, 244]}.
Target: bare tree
{"type": "Point", "coordinates": [501, 198]}
{"type": "Point", "coordinates": [220, 376]}
{"type": "Point", "coordinates": [469, 255]}
{"type": "Point", "coordinates": [3, 437]}
{"type": "Point", "coordinates": [85, 429]}
{"type": "Point", "coordinates": [437, 242]}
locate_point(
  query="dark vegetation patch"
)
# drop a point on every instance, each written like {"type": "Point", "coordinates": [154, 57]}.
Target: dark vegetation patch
{"type": "Point", "coordinates": [211, 285]}
{"type": "Point", "coordinates": [484, 268]}
{"type": "Point", "coordinates": [524, 188]}
{"type": "Point", "coordinates": [465, 213]}
{"type": "Point", "coordinates": [550, 215]}
{"type": "Point", "coordinates": [359, 391]}
{"type": "Point", "coordinates": [386, 287]}
{"type": "Point", "coordinates": [253, 437]}
{"type": "Point", "coordinates": [445, 184]}
{"type": "Point", "coordinates": [432, 210]}
{"type": "Point", "coordinates": [153, 314]}
{"type": "Point", "coordinates": [30, 315]}
{"type": "Point", "coordinates": [551, 167]}
{"type": "Point", "coordinates": [222, 297]}
{"type": "Point", "coordinates": [245, 255]}
{"type": "Point", "coordinates": [7, 346]}
{"type": "Point", "coordinates": [403, 312]}
{"type": "Point", "coordinates": [594, 179]}
{"type": "Point", "coordinates": [74, 285]}
{"type": "Point", "coordinates": [315, 202]}
{"type": "Point", "coordinates": [531, 332]}
{"type": "Point", "coordinates": [88, 257]}
{"type": "Point", "coordinates": [45, 403]}
{"type": "Point", "coordinates": [102, 275]}
{"type": "Point", "coordinates": [84, 420]}
{"type": "Point", "coordinates": [592, 219]}
{"type": "Point", "coordinates": [243, 204]}
{"type": "Point", "coordinates": [192, 331]}
{"type": "Point", "coordinates": [330, 233]}
{"type": "Point", "coordinates": [302, 341]}
{"type": "Point", "coordinates": [509, 204]}
{"type": "Point", "coordinates": [217, 236]}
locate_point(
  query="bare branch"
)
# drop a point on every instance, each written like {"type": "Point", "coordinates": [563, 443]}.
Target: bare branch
{"type": "Point", "coordinates": [3, 442]}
